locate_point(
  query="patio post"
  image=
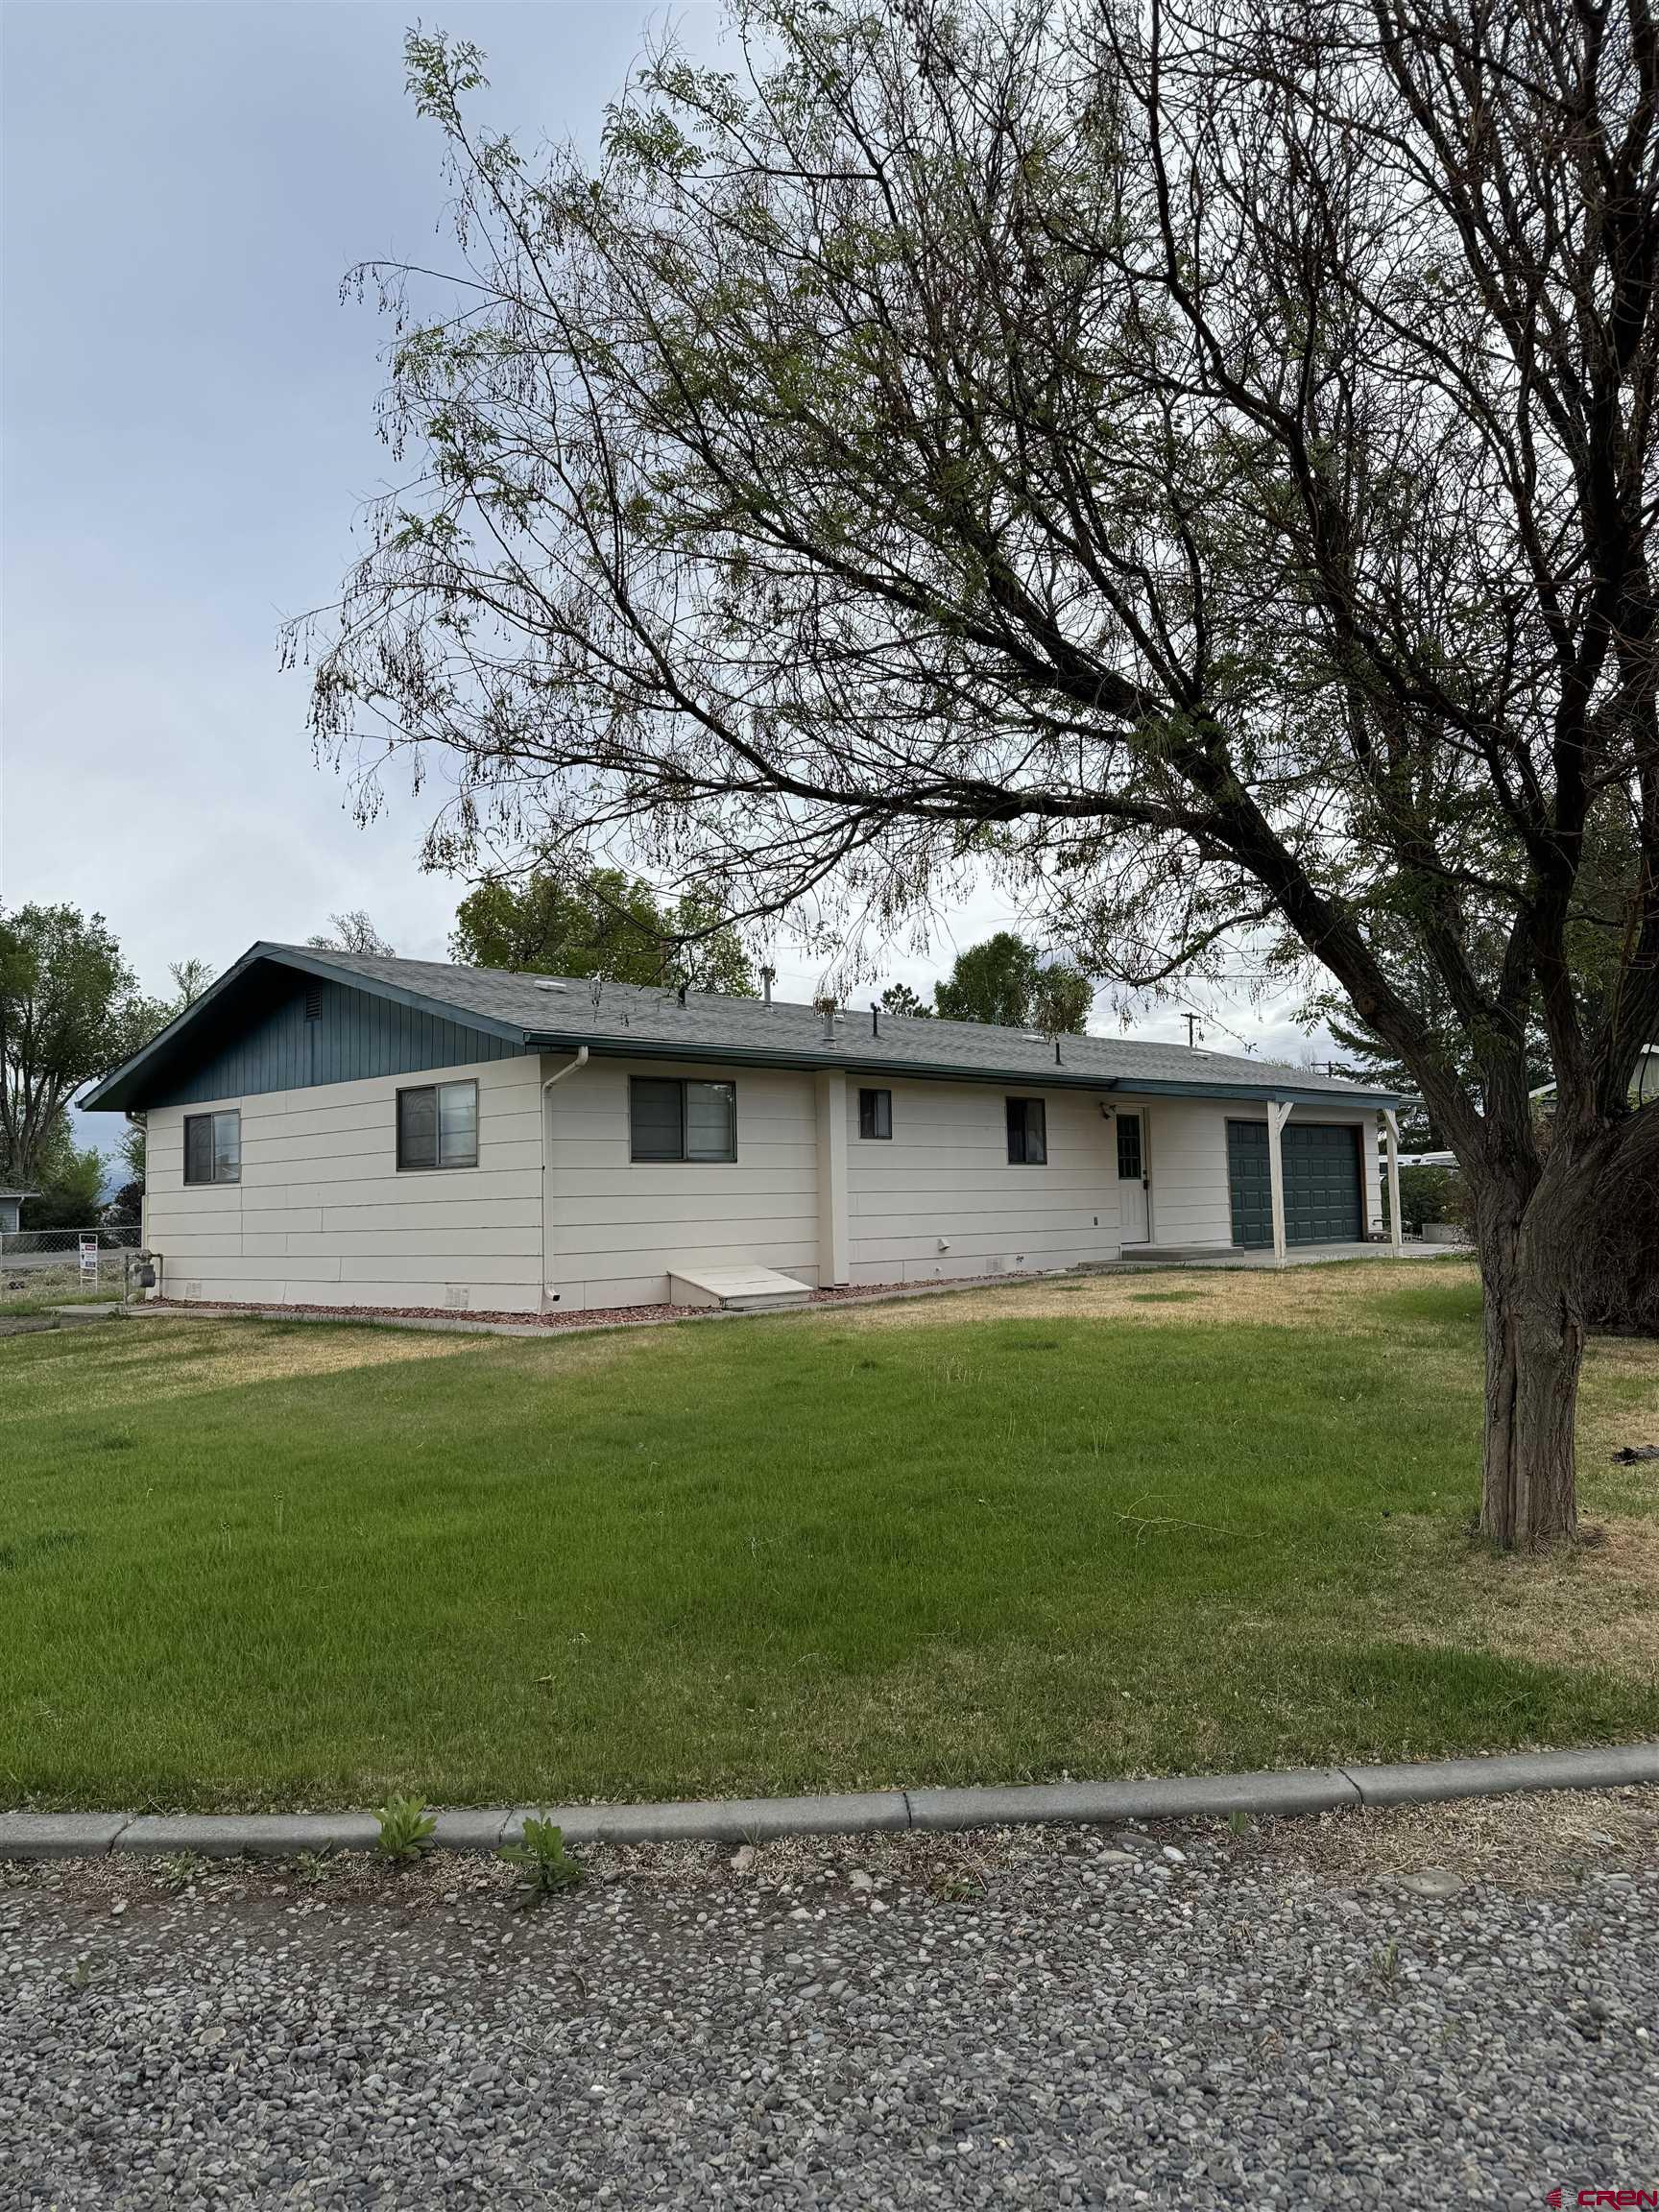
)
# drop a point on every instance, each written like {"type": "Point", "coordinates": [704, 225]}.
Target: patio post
{"type": "Point", "coordinates": [834, 1241]}
{"type": "Point", "coordinates": [1396, 1231]}
{"type": "Point", "coordinates": [1279, 1112]}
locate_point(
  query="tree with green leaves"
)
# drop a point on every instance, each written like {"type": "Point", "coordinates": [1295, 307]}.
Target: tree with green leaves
{"type": "Point", "coordinates": [70, 1007]}
{"type": "Point", "coordinates": [1196, 462]}
{"type": "Point", "coordinates": [901, 999]}
{"type": "Point", "coordinates": [1004, 980]}
{"type": "Point", "coordinates": [190, 978]}
{"type": "Point", "coordinates": [599, 923]}
{"type": "Point", "coordinates": [68, 1183]}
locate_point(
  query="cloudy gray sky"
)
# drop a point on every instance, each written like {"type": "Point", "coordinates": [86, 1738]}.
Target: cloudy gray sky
{"type": "Point", "coordinates": [188, 434]}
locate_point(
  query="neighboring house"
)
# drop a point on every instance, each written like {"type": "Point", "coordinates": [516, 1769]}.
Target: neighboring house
{"type": "Point", "coordinates": [331, 1128]}
{"type": "Point", "coordinates": [1644, 1083]}
{"type": "Point", "coordinates": [11, 1211]}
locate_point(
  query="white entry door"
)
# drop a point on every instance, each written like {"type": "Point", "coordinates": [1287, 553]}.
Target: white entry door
{"type": "Point", "coordinates": [1134, 1179]}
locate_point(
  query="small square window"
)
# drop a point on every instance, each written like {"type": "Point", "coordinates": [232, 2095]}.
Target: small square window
{"type": "Point", "coordinates": [1027, 1133]}
{"type": "Point", "coordinates": [213, 1148]}
{"type": "Point", "coordinates": [874, 1113]}
{"type": "Point", "coordinates": [438, 1126]}
{"type": "Point", "coordinates": [674, 1120]}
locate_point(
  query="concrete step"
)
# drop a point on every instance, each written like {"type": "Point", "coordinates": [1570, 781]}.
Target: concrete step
{"type": "Point", "coordinates": [737, 1289]}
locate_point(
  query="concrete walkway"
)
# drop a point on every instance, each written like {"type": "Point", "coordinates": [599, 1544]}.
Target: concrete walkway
{"type": "Point", "coordinates": [1297, 1256]}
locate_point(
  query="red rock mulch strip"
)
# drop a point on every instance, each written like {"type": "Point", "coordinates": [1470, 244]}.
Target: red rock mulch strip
{"type": "Point", "coordinates": [577, 1317]}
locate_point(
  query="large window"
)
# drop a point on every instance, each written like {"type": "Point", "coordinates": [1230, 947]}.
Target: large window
{"type": "Point", "coordinates": [437, 1126]}
{"type": "Point", "coordinates": [671, 1121]}
{"type": "Point", "coordinates": [213, 1148]}
{"type": "Point", "coordinates": [1027, 1133]}
{"type": "Point", "coordinates": [874, 1113]}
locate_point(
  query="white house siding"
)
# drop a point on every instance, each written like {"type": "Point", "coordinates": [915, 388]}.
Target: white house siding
{"type": "Point", "coordinates": [322, 1216]}
{"type": "Point", "coordinates": [944, 1177]}
{"type": "Point", "coordinates": [618, 1228]}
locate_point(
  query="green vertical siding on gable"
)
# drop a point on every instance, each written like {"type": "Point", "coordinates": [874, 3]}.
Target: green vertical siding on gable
{"type": "Point", "coordinates": [355, 1035]}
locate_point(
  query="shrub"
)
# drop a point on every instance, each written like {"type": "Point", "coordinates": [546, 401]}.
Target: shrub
{"type": "Point", "coordinates": [1429, 1194]}
{"type": "Point", "coordinates": [1622, 1273]}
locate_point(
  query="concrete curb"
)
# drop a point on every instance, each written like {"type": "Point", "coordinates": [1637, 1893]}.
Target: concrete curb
{"type": "Point", "coordinates": [877, 1812]}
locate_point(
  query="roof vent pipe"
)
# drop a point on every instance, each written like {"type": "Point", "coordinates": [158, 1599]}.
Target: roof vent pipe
{"type": "Point", "coordinates": [874, 1021]}
{"type": "Point", "coordinates": [769, 976]}
{"type": "Point", "coordinates": [826, 1008]}
{"type": "Point", "coordinates": [682, 993]}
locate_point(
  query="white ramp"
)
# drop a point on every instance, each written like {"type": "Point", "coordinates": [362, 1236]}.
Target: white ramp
{"type": "Point", "coordinates": [738, 1289]}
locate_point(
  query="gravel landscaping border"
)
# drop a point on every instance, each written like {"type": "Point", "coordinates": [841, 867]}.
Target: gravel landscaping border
{"type": "Point", "coordinates": [762, 1819]}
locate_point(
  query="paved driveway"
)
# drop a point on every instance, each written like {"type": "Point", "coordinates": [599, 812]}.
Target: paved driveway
{"type": "Point", "coordinates": [1308, 2014]}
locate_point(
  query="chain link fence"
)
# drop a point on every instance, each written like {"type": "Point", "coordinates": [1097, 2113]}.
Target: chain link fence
{"type": "Point", "coordinates": [41, 1261]}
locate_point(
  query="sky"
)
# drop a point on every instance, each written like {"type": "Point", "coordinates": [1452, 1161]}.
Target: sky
{"type": "Point", "coordinates": [188, 439]}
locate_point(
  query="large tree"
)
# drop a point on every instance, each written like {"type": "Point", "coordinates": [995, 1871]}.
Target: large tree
{"type": "Point", "coordinates": [1005, 979]}
{"type": "Point", "coordinates": [598, 923]}
{"type": "Point", "coordinates": [70, 1007]}
{"type": "Point", "coordinates": [1194, 458]}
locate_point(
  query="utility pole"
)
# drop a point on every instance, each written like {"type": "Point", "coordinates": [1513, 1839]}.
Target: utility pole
{"type": "Point", "coordinates": [1192, 1021]}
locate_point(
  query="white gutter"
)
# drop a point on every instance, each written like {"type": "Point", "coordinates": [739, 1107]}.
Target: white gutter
{"type": "Point", "coordinates": [558, 1077]}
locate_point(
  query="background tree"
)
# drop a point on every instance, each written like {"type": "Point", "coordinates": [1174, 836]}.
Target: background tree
{"type": "Point", "coordinates": [1004, 980]}
{"type": "Point", "coordinates": [190, 978]}
{"type": "Point", "coordinates": [1195, 463]}
{"type": "Point", "coordinates": [68, 1183]}
{"type": "Point", "coordinates": [899, 999]}
{"type": "Point", "coordinates": [126, 1208]}
{"type": "Point", "coordinates": [131, 1147]}
{"type": "Point", "coordinates": [70, 1007]}
{"type": "Point", "coordinates": [599, 923]}
{"type": "Point", "coordinates": [350, 932]}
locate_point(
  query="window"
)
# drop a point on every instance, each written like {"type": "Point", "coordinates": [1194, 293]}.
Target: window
{"type": "Point", "coordinates": [669, 1120]}
{"type": "Point", "coordinates": [874, 1113]}
{"type": "Point", "coordinates": [1129, 1168]}
{"type": "Point", "coordinates": [438, 1126]}
{"type": "Point", "coordinates": [213, 1148]}
{"type": "Point", "coordinates": [1027, 1133]}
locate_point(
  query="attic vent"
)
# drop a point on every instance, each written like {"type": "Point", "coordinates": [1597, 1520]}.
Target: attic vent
{"type": "Point", "coordinates": [561, 987]}
{"type": "Point", "coordinates": [313, 1001]}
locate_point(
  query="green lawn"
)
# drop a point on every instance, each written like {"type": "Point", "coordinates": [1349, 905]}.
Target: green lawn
{"type": "Point", "coordinates": [1070, 1528]}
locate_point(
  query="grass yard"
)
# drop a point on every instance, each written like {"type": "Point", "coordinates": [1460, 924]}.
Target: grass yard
{"type": "Point", "coordinates": [1087, 1527]}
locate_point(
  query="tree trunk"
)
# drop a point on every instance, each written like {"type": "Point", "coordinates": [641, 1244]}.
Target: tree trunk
{"type": "Point", "coordinates": [1534, 1350]}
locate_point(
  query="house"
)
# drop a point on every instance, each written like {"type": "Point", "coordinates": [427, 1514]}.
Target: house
{"type": "Point", "coordinates": [1643, 1082]}
{"type": "Point", "coordinates": [12, 1210]}
{"type": "Point", "coordinates": [330, 1128]}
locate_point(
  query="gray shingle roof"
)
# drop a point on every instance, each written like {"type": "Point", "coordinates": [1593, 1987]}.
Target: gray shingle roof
{"type": "Point", "coordinates": [629, 1019]}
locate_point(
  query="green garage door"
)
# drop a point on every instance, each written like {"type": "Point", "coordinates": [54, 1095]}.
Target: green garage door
{"type": "Point", "coordinates": [1321, 1183]}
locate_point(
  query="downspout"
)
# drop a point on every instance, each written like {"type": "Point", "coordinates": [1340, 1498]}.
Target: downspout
{"type": "Point", "coordinates": [558, 1077]}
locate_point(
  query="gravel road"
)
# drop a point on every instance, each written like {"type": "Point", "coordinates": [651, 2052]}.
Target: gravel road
{"type": "Point", "coordinates": [1458, 2005]}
